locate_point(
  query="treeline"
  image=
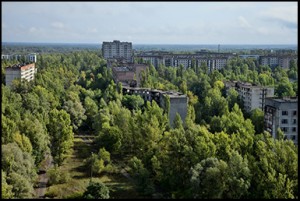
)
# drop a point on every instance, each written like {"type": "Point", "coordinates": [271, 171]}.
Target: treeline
{"type": "Point", "coordinates": [216, 152]}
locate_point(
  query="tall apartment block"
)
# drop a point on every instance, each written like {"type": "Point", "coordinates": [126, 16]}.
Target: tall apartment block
{"type": "Point", "coordinates": [19, 71]}
{"type": "Point", "coordinates": [282, 113]}
{"type": "Point", "coordinates": [253, 96]}
{"type": "Point", "coordinates": [117, 50]}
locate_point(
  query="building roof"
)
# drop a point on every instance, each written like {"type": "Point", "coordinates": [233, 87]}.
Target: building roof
{"type": "Point", "coordinates": [18, 66]}
{"type": "Point", "coordinates": [284, 99]}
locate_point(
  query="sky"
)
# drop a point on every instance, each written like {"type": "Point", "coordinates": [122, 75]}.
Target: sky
{"type": "Point", "coordinates": [151, 22]}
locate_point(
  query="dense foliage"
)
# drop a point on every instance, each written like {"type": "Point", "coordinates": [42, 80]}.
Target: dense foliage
{"type": "Point", "coordinates": [216, 152]}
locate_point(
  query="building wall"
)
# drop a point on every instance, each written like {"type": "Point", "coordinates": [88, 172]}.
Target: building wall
{"type": "Point", "coordinates": [10, 75]}
{"type": "Point", "coordinates": [177, 105]}
{"type": "Point", "coordinates": [252, 96]}
{"type": "Point", "coordinates": [117, 49]}
{"type": "Point", "coordinates": [178, 102]}
{"type": "Point", "coordinates": [283, 114]}
{"type": "Point", "coordinates": [25, 72]}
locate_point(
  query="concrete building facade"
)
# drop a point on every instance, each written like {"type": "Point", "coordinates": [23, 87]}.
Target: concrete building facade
{"type": "Point", "coordinates": [19, 71]}
{"type": "Point", "coordinates": [129, 74]}
{"type": "Point", "coordinates": [178, 101]}
{"type": "Point", "coordinates": [282, 113]}
{"type": "Point", "coordinates": [117, 50]}
{"type": "Point", "coordinates": [273, 61]}
{"type": "Point", "coordinates": [253, 96]}
{"type": "Point", "coordinates": [214, 61]}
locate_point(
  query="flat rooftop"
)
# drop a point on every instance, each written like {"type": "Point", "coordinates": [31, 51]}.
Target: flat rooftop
{"type": "Point", "coordinates": [171, 94]}
{"type": "Point", "coordinates": [19, 65]}
{"type": "Point", "coordinates": [284, 99]}
{"type": "Point", "coordinates": [121, 68]}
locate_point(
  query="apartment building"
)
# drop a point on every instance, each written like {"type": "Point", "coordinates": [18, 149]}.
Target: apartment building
{"type": "Point", "coordinates": [129, 74]}
{"type": "Point", "coordinates": [214, 61]}
{"type": "Point", "coordinates": [117, 50]}
{"type": "Point", "coordinates": [282, 113]}
{"type": "Point", "coordinates": [253, 96]}
{"type": "Point", "coordinates": [273, 61]}
{"type": "Point", "coordinates": [19, 71]}
{"type": "Point", "coordinates": [31, 57]}
{"type": "Point", "coordinates": [178, 101]}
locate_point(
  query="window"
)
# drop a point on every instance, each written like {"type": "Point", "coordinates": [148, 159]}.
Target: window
{"type": "Point", "coordinates": [284, 129]}
{"type": "Point", "coordinates": [293, 137]}
{"type": "Point", "coordinates": [294, 129]}
{"type": "Point", "coordinates": [284, 112]}
{"type": "Point", "coordinates": [284, 121]}
{"type": "Point", "coordinates": [295, 112]}
{"type": "Point", "coordinates": [294, 121]}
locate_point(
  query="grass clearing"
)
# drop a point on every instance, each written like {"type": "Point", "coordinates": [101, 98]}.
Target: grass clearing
{"type": "Point", "coordinates": [119, 186]}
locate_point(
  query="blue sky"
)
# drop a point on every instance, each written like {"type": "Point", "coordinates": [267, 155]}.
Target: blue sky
{"type": "Point", "coordinates": [151, 22]}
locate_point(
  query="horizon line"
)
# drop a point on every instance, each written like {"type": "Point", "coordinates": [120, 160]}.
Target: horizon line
{"type": "Point", "coordinates": [156, 43]}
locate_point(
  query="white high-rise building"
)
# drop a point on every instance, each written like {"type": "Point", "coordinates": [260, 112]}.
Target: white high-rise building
{"type": "Point", "coordinates": [117, 50]}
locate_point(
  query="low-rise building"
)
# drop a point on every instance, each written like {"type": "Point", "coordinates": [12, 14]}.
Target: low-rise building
{"type": "Point", "coordinates": [129, 74]}
{"type": "Point", "coordinates": [20, 71]}
{"type": "Point", "coordinates": [282, 113]}
{"type": "Point", "coordinates": [178, 101]}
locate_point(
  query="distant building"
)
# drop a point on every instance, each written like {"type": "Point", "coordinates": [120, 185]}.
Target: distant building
{"type": "Point", "coordinates": [31, 57]}
{"type": "Point", "coordinates": [178, 101]}
{"type": "Point", "coordinates": [273, 61]}
{"type": "Point", "coordinates": [6, 57]}
{"type": "Point", "coordinates": [253, 96]}
{"type": "Point", "coordinates": [117, 50]}
{"type": "Point", "coordinates": [246, 56]}
{"type": "Point", "coordinates": [28, 58]}
{"type": "Point", "coordinates": [19, 71]}
{"type": "Point", "coordinates": [214, 61]}
{"type": "Point", "coordinates": [282, 113]}
{"type": "Point", "coordinates": [129, 74]}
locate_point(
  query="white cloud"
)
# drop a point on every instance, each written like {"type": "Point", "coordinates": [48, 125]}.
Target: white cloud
{"type": "Point", "coordinates": [58, 25]}
{"type": "Point", "coordinates": [287, 13]}
{"type": "Point", "coordinates": [263, 30]}
{"type": "Point", "coordinates": [92, 30]}
{"type": "Point", "coordinates": [33, 30]}
{"type": "Point", "coordinates": [243, 22]}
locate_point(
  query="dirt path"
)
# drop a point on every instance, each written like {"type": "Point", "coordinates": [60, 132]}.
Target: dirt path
{"type": "Point", "coordinates": [43, 179]}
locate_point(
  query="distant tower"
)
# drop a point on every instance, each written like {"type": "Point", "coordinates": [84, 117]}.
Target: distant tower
{"type": "Point", "coordinates": [219, 48]}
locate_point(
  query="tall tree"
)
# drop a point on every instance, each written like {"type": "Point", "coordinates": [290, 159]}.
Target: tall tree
{"type": "Point", "coordinates": [61, 135]}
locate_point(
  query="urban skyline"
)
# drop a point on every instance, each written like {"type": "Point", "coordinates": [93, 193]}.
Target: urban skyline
{"type": "Point", "coordinates": [151, 22]}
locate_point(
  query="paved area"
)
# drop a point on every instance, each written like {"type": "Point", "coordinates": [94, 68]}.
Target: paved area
{"type": "Point", "coordinates": [43, 179]}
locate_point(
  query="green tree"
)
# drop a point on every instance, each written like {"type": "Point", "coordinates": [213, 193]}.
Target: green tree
{"type": "Point", "coordinates": [6, 189]}
{"type": "Point", "coordinates": [133, 102]}
{"type": "Point", "coordinates": [284, 88]}
{"type": "Point", "coordinates": [74, 107]}
{"type": "Point", "coordinates": [19, 169]}
{"type": "Point", "coordinates": [141, 176]}
{"type": "Point", "coordinates": [208, 179]}
{"type": "Point", "coordinates": [96, 190]}
{"type": "Point", "coordinates": [61, 135]}
{"type": "Point", "coordinates": [257, 118]}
